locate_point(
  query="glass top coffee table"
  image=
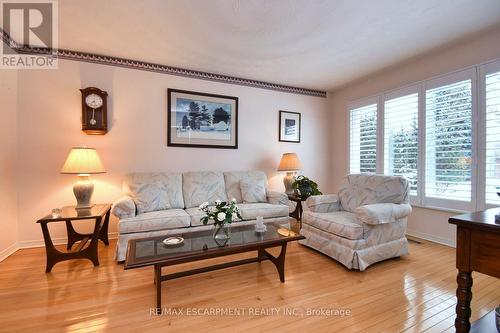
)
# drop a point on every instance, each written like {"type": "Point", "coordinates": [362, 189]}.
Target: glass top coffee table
{"type": "Point", "coordinates": [201, 245]}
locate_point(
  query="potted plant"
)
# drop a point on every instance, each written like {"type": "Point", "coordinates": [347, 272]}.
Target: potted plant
{"type": "Point", "coordinates": [305, 187]}
{"type": "Point", "coordinates": [223, 214]}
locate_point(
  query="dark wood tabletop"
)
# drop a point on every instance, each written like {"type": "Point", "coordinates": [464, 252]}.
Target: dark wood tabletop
{"type": "Point", "coordinates": [484, 220]}
{"type": "Point", "coordinates": [73, 214]}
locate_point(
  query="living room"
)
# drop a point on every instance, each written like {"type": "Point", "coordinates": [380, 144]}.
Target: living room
{"type": "Point", "coordinates": [130, 127]}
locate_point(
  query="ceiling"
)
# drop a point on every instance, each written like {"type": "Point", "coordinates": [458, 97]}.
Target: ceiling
{"type": "Point", "coordinates": [316, 44]}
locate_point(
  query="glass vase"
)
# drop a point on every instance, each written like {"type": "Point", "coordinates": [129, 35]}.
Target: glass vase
{"type": "Point", "coordinates": [222, 232]}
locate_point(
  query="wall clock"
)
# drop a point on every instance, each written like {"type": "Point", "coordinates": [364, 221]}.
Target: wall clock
{"type": "Point", "coordinates": [94, 111]}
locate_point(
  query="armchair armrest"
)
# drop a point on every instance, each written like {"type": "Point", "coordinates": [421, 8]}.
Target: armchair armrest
{"type": "Point", "coordinates": [382, 213]}
{"type": "Point", "coordinates": [322, 203]}
{"type": "Point", "coordinates": [277, 198]}
{"type": "Point", "coordinates": [124, 208]}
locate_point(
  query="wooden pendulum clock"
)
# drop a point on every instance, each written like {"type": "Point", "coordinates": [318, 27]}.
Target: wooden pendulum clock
{"type": "Point", "coordinates": [94, 111]}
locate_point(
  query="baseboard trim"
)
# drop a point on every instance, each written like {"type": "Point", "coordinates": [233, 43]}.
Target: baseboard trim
{"type": "Point", "coordinates": [38, 243]}
{"type": "Point", "coordinates": [431, 238]}
{"type": "Point", "coordinates": [58, 241]}
{"type": "Point", "coordinates": [9, 251]}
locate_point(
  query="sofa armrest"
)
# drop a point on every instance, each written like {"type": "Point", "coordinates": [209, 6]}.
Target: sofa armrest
{"type": "Point", "coordinates": [124, 208]}
{"type": "Point", "coordinates": [322, 203]}
{"type": "Point", "coordinates": [277, 198]}
{"type": "Point", "coordinates": [382, 213]}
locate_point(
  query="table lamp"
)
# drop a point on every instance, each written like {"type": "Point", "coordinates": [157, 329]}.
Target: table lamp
{"type": "Point", "coordinates": [289, 163]}
{"type": "Point", "coordinates": [83, 161]}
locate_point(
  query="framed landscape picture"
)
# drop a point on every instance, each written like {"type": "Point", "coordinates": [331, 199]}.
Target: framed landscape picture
{"type": "Point", "coordinates": [202, 120]}
{"type": "Point", "coordinates": [289, 126]}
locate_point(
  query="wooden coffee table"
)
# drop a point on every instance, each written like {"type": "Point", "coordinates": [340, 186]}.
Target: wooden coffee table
{"type": "Point", "coordinates": [200, 245]}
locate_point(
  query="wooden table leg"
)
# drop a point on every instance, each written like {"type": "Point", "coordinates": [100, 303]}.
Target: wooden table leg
{"type": "Point", "coordinates": [73, 236]}
{"type": "Point", "coordinates": [261, 253]}
{"type": "Point", "coordinates": [464, 297]}
{"type": "Point", "coordinates": [278, 261]}
{"type": "Point", "coordinates": [103, 234]}
{"type": "Point", "coordinates": [158, 288]}
{"type": "Point", "coordinates": [94, 242]}
{"type": "Point", "coordinates": [297, 213]}
{"type": "Point", "coordinates": [50, 250]}
{"type": "Point", "coordinates": [299, 208]}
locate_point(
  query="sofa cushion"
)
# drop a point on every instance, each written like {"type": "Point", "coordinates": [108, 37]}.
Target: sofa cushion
{"type": "Point", "coordinates": [232, 181]}
{"type": "Point", "coordinates": [195, 215]}
{"type": "Point", "coordinates": [365, 189]}
{"type": "Point", "coordinates": [204, 186]}
{"type": "Point", "coordinates": [253, 191]}
{"type": "Point", "coordinates": [152, 221]}
{"type": "Point", "coordinates": [250, 211]}
{"type": "Point", "coordinates": [154, 191]}
{"type": "Point", "coordinates": [343, 224]}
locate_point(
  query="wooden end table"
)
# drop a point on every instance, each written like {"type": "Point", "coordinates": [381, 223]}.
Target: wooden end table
{"type": "Point", "coordinates": [297, 213]}
{"type": "Point", "coordinates": [478, 249]}
{"type": "Point", "coordinates": [68, 214]}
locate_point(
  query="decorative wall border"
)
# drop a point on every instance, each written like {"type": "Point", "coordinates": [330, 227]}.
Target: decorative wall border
{"type": "Point", "coordinates": [152, 67]}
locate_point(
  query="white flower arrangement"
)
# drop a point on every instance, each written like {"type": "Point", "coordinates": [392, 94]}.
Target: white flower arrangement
{"type": "Point", "coordinates": [222, 213]}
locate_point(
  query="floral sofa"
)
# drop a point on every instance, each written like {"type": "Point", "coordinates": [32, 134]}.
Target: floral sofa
{"type": "Point", "coordinates": [157, 204]}
{"type": "Point", "coordinates": [361, 225]}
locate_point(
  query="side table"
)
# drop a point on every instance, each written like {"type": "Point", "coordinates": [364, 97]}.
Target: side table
{"type": "Point", "coordinates": [100, 213]}
{"type": "Point", "coordinates": [297, 213]}
{"type": "Point", "coordinates": [478, 249]}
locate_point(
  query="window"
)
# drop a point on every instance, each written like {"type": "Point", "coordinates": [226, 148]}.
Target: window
{"type": "Point", "coordinates": [401, 138]}
{"type": "Point", "coordinates": [363, 139]}
{"type": "Point", "coordinates": [448, 138]}
{"type": "Point", "coordinates": [442, 134]}
{"type": "Point", "coordinates": [492, 162]}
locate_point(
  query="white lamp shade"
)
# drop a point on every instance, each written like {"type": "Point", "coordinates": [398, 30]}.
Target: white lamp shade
{"type": "Point", "coordinates": [290, 162]}
{"type": "Point", "coordinates": [83, 161]}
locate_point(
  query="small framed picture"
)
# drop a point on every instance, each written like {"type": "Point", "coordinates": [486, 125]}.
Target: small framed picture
{"type": "Point", "coordinates": [289, 126]}
{"type": "Point", "coordinates": [202, 120]}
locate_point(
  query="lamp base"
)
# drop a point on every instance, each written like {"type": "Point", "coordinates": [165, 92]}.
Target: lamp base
{"type": "Point", "coordinates": [288, 181]}
{"type": "Point", "coordinates": [83, 190]}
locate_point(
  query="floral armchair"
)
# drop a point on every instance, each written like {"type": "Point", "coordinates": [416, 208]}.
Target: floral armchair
{"type": "Point", "coordinates": [363, 224]}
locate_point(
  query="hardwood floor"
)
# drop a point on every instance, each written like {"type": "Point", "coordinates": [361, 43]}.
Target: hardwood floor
{"type": "Point", "coordinates": [413, 294]}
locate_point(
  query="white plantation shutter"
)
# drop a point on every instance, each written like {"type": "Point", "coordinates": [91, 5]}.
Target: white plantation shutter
{"type": "Point", "coordinates": [363, 139]}
{"type": "Point", "coordinates": [448, 127]}
{"type": "Point", "coordinates": [492, 137]}
{"type": "Point", "coordinates": [401, 138]}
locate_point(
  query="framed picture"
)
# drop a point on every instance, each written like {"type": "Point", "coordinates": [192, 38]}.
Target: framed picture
{"type": "Point", "coordinates": [202, 120]}
{"type": "Point", "coordinates": [289, 126]}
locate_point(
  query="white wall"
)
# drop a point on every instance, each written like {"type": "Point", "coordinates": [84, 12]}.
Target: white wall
{"type": "Point", "coordinates": [486, 46]}
{"type": "Point", "coordinates": [8, 190]}
{"type": "Point", "coordinates": [49, 112]}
